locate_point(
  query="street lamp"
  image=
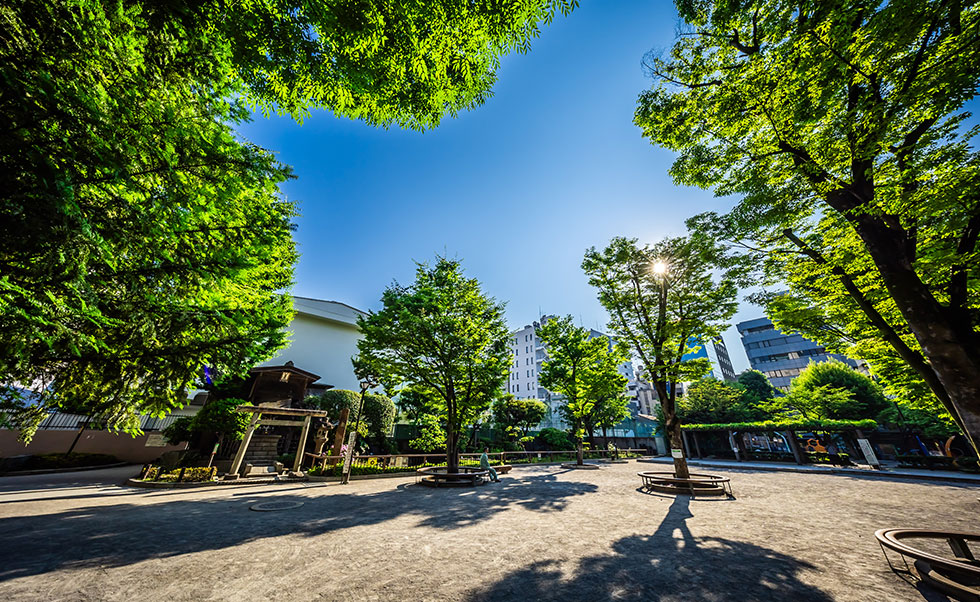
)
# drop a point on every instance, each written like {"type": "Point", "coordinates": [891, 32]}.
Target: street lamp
{"type": "Point", "coordinates": [366, 383]}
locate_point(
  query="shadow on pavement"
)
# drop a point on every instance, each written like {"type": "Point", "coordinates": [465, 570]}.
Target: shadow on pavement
{"type": "Point", "coordinates": [670, 564]}
{"type": "Point", "coordinates": [125, 533]}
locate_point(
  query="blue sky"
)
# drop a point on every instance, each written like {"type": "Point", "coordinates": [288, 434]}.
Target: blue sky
{"type": "Point", "coordinates": [518, 188]}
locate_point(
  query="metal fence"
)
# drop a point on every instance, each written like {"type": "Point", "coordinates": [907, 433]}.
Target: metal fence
{"type": "Point", "coordinates": [68, 422]}
{"type": "Point", "coordinates": [406, 463]}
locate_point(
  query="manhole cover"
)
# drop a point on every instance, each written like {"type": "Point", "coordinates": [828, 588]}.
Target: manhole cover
{"type": "Point", "coordinates": [274, 506]}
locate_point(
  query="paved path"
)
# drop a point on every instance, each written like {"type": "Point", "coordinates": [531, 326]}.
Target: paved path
{"type": "Point", "coordinates": [544, 533]}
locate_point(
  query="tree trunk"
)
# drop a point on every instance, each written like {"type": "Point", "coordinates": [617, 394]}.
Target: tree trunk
{"type": "Point", "coordinates": [947, 339]}
{"type": "Point", "coordinates": [452, 437]}
{"type": "Point", "coordinates": [580, 452]}
{"type": "Point", "coordinates": [676, 442]}
{"type": "Point", "coordinates": [452, 455]}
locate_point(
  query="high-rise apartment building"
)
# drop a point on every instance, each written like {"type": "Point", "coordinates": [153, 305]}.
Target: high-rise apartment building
{"type": "Point", "coordinates": [780, 356]}
{"type": "Point", "coordinates": [717, 354]}
{"type": "Point", "coordinates": [528, 356]}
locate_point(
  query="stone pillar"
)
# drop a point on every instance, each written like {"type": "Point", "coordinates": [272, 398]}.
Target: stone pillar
{"type": "Point", "coordinates": [338, 440]}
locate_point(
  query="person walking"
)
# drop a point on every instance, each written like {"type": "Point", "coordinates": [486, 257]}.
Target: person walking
{"type": "Point", "coordinates": [485, 465]}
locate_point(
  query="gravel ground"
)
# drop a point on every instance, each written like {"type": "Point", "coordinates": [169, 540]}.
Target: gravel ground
{"type": "Point", "coordinates": [544, 533]}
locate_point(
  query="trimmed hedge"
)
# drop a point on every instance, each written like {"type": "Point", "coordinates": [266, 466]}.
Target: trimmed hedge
{"type": "Point", "coordinates": [786, 425]}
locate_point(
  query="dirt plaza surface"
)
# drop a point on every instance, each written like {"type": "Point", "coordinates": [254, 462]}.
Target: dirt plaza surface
{"type": "Point", "coordinates": [544, 533]}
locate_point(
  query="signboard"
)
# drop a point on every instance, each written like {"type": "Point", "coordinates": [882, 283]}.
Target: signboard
{"type": "Point", "coordinates": [156, 440]}
{"type": "Point", "coordinates": [349, 456]}
{"type": "Point", "coordinates": [869, 454]}
{"type": "Point", "coordinates": [676, 453]}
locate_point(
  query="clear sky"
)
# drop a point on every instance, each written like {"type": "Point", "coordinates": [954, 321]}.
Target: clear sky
{"type": "Point", "coordinates": [517, 189]}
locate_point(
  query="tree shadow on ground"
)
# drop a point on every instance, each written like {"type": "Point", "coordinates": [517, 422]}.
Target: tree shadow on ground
{"type": "Point", "coordinates": [670, 564]}
{"type": "Point", "coordinates": [112, 535]}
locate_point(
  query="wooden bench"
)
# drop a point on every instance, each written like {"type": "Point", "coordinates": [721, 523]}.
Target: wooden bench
{"type": "Point", "coordinates": [704, 484]}
{"type": "Point", "coordinates": [958, 577]}
{"type": "Point", "coordinates": [435, 476]}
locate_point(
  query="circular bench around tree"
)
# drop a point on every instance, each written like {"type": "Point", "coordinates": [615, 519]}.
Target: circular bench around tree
{"type": "Point", "coordinates": [437, 476]}
{"type": "Point", "coordinates": [696, 484]}
{"type": "Point", "coordinates": [957, 576]}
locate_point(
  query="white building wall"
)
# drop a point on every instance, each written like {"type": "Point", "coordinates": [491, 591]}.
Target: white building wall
{"type": "Point", "coordinates": [323, 338]}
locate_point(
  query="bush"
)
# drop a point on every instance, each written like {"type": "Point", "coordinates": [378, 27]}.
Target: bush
{"type": "Point", "coordinates": [555, 439]}
{"type": "Point", "coordinates": [179, 430]}
{"type": "Point", "coordinates": [196, 474]}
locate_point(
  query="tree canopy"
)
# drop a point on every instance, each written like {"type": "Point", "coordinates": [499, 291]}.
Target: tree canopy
{"type": "Point", "coordinates": [756, 387]}
{"type": "Point", "coordinates": [840, 125]}
{"type": "Point", "coordinates": [709, 400]}
{"type": "Point", "coordinates": [442, 335]}
{"type": "Point", "coordinates": [583, 370]}
{"type": "Point", "coordinates": [663, 299]}
{"type": "Point", "coordinates": [377, 415]}
{"type": "Point", "coordinates": [141, 242]}
{"type": "Point", "coordinates": [515, 417]}
{"type": "Point", "coordinates": [867, 398]}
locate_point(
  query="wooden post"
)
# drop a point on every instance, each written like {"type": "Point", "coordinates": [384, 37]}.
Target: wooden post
{"type": "Point", "coordinates": [697, 446]}
{"type": "Point", "coordinates": [793, 446]}
{"type": "Point", "coordinates": [338, 440]}
{"type": "Point", "coordinates": [240, 454]}
{"type": "Point", "coordinates": [302, 444]}
{"type": "Point", "coordinates": [687, 444]}
{"type": "Point", "coordinates": [731, 441]}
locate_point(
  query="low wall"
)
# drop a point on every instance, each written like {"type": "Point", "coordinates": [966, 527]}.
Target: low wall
{"type": "Point", "coordinates": [120, 445]}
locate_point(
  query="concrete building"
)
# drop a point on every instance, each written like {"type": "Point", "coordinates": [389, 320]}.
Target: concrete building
{"type": "Point", "coordinates": [781, 357]}
{"type": "Point", "coordinates": [717, 353]}
{"type": "Point", "coordinates": [647, 400]}
{"type": "Point", "coordinates": [528, 356]}
{"type": "Point", "coordinates": [323, 338]}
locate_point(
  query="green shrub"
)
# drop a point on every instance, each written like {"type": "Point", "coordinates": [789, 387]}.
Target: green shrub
{"type": "Point", "coordinates": [555, 439]}
{"type": "Point", "coordinates": [195, 474]}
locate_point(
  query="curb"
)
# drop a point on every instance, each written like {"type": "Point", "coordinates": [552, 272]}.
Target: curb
{"type": "Point", "coordinates": [881, 474]}
{"type": "Point", "coordinates": [27, 473]}
{"type": "Point", "coordinates": [198, 484]}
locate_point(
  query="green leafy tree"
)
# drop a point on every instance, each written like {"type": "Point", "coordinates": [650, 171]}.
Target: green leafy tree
{"type": "Point", "coordinates": [582, 370]}
{"type": "Point", "coordinates": [756, 387]}
{"type": "Point", "coordinates": [218, 418]}
{"type": "Point", "coordinates": [377, 415]}
{"type": "Point", "coordinates": [610, 410]}
{"type": "Point", "coordinates": [431, 435]}
{"type": "Point", "coordinates": [661, 298]}
{"type": "Point", "coordinates": [866, 398]}
{"type": "Point", "coordinates": [840, 125]}
{"type": "Point", "coordinates": [181, 429]}
{"type": "Point", "coordinates": [555, 439]}
{"type": "Point", "coordinates": [443, 334]}
{"type": "Point", "coordinates": [814, 403]}
{"type": "Point", "coordinates": [712, 401]}
{"type": "Point", "coordinates": [515, 417]}
{"type": "Point", "coordinates": [413, 403]}
{"type": "Point", "coordinates": [141, 242]}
